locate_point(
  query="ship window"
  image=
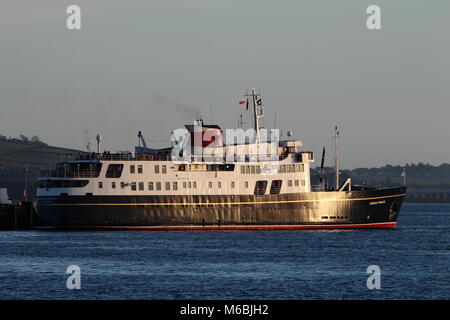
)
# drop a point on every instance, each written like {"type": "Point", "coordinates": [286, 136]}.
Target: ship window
{"type": "Point", "coordinates": [252, 170]}
{"type": "Point", "coordinates": [114, 171]}
{"type": "Point", "coordinates": [167, 185]}
{"type": "Point", "coordinates": [303, 182]}
{"type": "Point", "coordinates": [150, 186]}
{"type": "Point", "coordinates": [100, 184]}
{"type": "Point", "coordinates": [194, 185]}
{"type": "Point", "coordinates": [189, 185]}
{"type": "Point", "coordinates": [164, 169]}
{"type": "Point", "coordinates": [156, 169]}
{"type": "Point", "coordinates": [246, 184]}
{"type": "Point", "coordinates": [242, 169]}
{"type": "Point", "coordinates": [296, 183]}
{"type": "Point", "coordinates": [282, 169]}
{"type": "Point", "coordinates": [158, 185]}
{"type": "Point", "coordinates": [122, 185]}
{"type": "Point", "coordinates": [289, 183]}
{"type": "Point", "coordinates": [275, 187]}
{"type": "Point", "coordinates": [140, 170]}
{"type": "Point", "coordinates": [133, 186]}
{"type": "Point", "coordinates": [132, 169]}
{"type": "Point", "coordinates": [258, 169]}
{"type": "Point", "coordinates": [232, 184]}
{"type": "Point", "coordinates": [210, 184]}
{"type": "Point", "coordinates": [141, 186]}
{"type": "Point", "coordinates": [302, 167]}
{"type": "Point", "coordinates": [219, 184]}
{"type": "Point", "coordinates": [260, 187]}
{"type": "Point", "coordinates": [175, 186]}
{"type": "Point", "coordinates": [65, 184]}
{"type": "Point", "coordinates": [184, 184]}
{"type": "Point", "coordinates": [247, 169]}
{"type": "Point", "coordinates": [113, 185]}
{"type": "Point", "coordinates": [324, 217]}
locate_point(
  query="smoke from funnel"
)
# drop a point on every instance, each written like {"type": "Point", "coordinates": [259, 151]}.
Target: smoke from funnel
{"type": "Point", "coordinates": [187, 110]}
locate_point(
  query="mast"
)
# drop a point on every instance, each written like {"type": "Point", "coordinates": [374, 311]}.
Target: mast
{"type": "Point", "coordinates": [257, 112]}
{"type": "Point", "coordinates": [321, 172]}
{"type": "Point", "coordinates": [336, 147]}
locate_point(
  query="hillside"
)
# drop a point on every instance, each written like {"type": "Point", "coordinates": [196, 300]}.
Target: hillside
{"type": "Point", "coordinates": [15, 154]}
{"type": "Point", "coordinates": [419, 176]}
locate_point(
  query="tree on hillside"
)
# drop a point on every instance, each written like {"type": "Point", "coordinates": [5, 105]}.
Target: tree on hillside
{"type": "Point", "coordinates": [24, 138]}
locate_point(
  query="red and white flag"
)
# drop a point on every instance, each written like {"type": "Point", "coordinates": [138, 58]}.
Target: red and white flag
{"type": "Point", "coordinates": [242, 101]}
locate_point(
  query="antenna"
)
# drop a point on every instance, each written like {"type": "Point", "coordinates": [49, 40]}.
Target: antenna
{"type": "Point", "coordinates": [87, 139]}
{"type": "Point", "coordinates": [275, 121]}
{"type": "Point", "coordinates": [336, 147]}
{"type": "Point", "coordinates": [99, 139]}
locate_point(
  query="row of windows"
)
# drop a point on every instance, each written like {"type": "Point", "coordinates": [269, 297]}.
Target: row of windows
{"type": "Point", "coordinates": [299, 167]}
{"type": "Point", "coordinates": [296, 183]}
{"type": "Point", "coordinates": [115, 170]}
{"type": "Point", "coordinates": [253, 169]}
{"type": "Point", "coordinates": [140, 169]}
{"type": "Point", "coordinates": [186, 185]}
{"type": "Point", "coordinates": [332, 217]}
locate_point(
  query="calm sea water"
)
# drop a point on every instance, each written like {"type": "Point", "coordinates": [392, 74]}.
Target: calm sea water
{"type": "Point", "coordinates": [414, 260]}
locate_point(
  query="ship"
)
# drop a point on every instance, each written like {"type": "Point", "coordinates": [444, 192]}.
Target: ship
{"type": "Point", "coordinates": [210, 179]}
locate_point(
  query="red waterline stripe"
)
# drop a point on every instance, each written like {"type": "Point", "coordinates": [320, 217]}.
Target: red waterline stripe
{"type": "Point", "coordinates": [235, 227]}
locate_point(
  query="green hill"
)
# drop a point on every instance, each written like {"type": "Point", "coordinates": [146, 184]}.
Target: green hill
{"type": "Point", "coordinates": [16, 154]}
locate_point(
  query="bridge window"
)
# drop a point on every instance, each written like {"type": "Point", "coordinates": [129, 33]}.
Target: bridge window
{"type": "Point", "coordinates": [113, 185]}
{"type": "Point", "coordinates": [132, 169]}
{"type": "Point", "coordinates": [289, 183]}
{"type": "Point", "coordinates": [122, 185]}
{"type": "Point", "coordinates": [140, 169]}
{"type": "Point", "coordinates": [115, 171]}
{"type": "Point", "coordinates": [260, 187]}
{"type": "Point", "coordinates": [275, 187]}
{"type": "Point", "coordinates": [164, 169]}
{"type": "Point", "coordinates": [100, 185]}
{"type": "Point", "coordinates": [156, 169]}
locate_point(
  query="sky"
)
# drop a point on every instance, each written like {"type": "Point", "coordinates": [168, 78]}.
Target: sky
{"type": "Point", "coordinates": [155, 65]}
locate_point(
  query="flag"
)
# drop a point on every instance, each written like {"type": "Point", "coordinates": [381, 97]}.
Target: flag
{"type": "Point", "coordinates": [242, 101]}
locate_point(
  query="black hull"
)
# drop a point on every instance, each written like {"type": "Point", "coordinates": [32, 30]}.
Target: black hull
{"type": "Point", "coordinates": [356, 209]}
